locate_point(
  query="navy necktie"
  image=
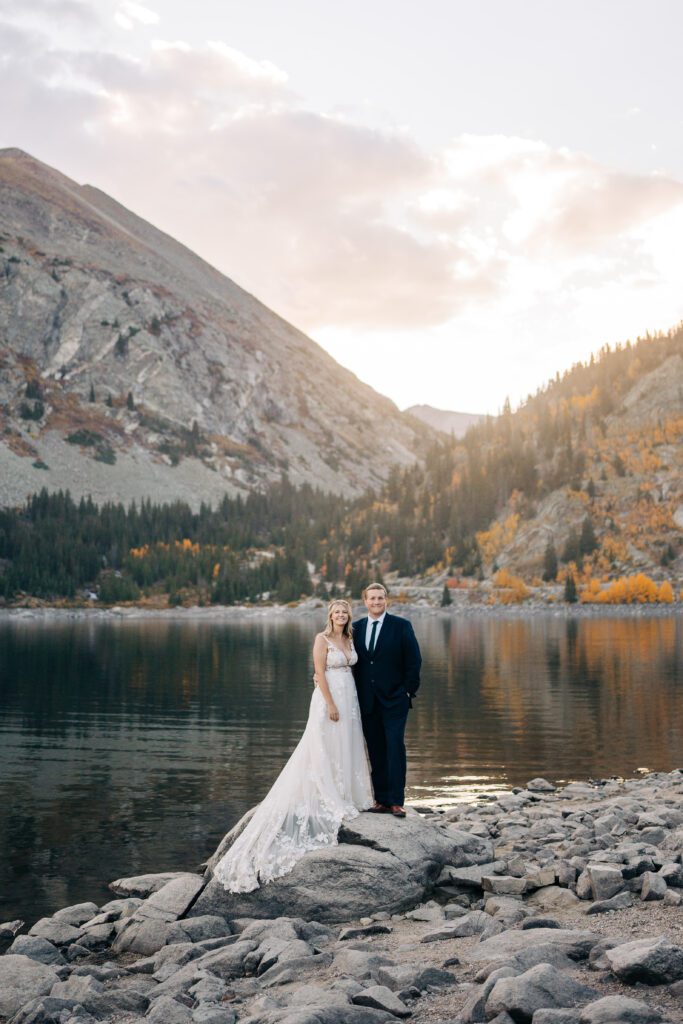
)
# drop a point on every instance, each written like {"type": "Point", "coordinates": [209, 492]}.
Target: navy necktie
{"type": "Point", "coordinates": [373, 634]}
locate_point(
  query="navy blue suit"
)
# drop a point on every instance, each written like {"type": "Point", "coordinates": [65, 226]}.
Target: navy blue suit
{"type": "Point", "coordinates": [386, 680]}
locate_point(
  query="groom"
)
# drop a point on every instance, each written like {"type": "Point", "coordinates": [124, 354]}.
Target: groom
{"type": "Point", "coordinates": [387, 677]}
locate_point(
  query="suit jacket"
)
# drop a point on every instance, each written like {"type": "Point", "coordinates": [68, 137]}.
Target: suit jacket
{"type": "Point", "coordinates": [391, 674]}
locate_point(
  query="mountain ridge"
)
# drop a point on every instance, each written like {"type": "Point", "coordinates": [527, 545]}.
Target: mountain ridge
{"type": "Point", "coordinates": [198, 387]}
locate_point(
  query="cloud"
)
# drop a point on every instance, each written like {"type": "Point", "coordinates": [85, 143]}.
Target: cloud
{"type": "Point", "coordinates": [130, 14]}
{"type": "Point", "coordinates": [332, 223]}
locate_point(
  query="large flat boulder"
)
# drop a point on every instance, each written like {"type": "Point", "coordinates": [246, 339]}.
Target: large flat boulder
{"type": "Point", "coordinates": [573, 943]}
{"type": "Point", "coordinates": [379, 864]}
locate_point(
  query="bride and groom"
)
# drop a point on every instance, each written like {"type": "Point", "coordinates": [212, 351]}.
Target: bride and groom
{"type": "Point", "coordinates": [366, 675]}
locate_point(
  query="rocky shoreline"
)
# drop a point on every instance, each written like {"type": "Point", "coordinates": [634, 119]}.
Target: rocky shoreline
{"type": "Point", "coordinates": [246, 613]}
{"type": "Point", "coordinates": [541, 905]}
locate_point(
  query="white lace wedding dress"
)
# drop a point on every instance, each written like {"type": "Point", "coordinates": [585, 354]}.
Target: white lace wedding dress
{"type": "Point", "coordinates": [326, 779]}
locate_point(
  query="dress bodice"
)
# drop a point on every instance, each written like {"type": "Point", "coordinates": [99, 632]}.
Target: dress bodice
{"type": "Point", "coordinates": [336, 658]}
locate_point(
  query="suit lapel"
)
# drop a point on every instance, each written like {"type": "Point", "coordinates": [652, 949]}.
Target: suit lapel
{"type": "Point", "coordinates": [360, 631]}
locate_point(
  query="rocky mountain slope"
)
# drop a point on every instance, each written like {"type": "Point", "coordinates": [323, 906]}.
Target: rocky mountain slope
{"type": "Point", "coordinates": [455, 423]}
{"type": "Point", "coordinates": [591, 466]}
{"type": "Point", "coordinates": [129, 367]}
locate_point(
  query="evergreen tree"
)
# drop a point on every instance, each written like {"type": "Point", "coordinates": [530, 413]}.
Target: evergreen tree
{"type": "Point", "coordinates": [91, 397]}
{"type": "Point", "coordinates": [550, 562]}
{"type": "Point", "coordinates": [570, 594]}
{"type": "Point", "coordinates": [129, 401]}
{"type": "Point", "coordinates": [446, 598]}
{"type": "Point", "coordinates": [572, 550]}
{"type": "Point", "coordinates": [590, 488]}
{"type": "Point", "coordinates": [588, 542]}
{"type": "Point", "coordinates": [109, 402]}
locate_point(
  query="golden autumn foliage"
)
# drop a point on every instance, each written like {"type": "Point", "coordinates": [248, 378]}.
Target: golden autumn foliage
{"type": "Point", "coordinates": [636, 589]}
{"type": "Point", "coordinates": [494, 540]}
{"type": "Point", "coordinates": [510, 589]}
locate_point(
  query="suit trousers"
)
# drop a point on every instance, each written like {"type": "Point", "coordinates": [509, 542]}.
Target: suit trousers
{"type": "Point", "coordinates": [384, 729]}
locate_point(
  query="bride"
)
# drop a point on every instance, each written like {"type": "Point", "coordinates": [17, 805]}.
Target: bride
{"type": "Point", "coordinates": [326, 779]}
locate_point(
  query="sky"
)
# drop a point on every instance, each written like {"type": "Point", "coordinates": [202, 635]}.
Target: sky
{"type": "Point", "coordinates": [455, 199]}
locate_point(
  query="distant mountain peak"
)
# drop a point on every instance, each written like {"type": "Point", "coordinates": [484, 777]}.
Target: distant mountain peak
{"type": "Point", "coordinates": [455, 423]}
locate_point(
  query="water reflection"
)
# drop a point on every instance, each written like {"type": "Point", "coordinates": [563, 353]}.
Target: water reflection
{"type": "Point", "coordinates": [130, 747]}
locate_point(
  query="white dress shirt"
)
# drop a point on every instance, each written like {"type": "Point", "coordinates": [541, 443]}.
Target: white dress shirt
{"type": "Point", "coordinates": [368, 629]}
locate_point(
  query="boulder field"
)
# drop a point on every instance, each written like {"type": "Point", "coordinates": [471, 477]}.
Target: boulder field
{"type": "Point", "coordinates": [544, 905]}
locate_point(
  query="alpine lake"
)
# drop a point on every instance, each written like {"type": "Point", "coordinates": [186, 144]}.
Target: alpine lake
{"type": "Point", "coordinates": [132, 746]}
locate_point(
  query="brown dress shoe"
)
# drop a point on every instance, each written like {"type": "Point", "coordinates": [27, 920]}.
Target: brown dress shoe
{"type": "Point", "coordinates": [397, 811]}
{"type": "Point", "coordinates": [379, 809]}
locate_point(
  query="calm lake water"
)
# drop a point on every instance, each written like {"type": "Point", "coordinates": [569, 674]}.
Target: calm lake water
{"type": "Point", "coordinates": [131, 747]}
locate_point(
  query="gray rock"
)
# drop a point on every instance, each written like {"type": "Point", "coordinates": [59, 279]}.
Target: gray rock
{"type": "Point", "coordinates": [197, 929]}
{"type": "Point", "coordinates": [226, 963]}
{"type": "Point", "coordinates": [166, 1010]}
{"type": "Point", "coordinates": [427, 911]}
{"type": "Point", "coordinates": [57, 932]}
{"type": "Point", "coordinates": [379, 864]}
{"type": "Point", "coordinates": [540, 878]}
{"type": "Point", "coordinates": [621, 901]}
{"type": "Point", "coordinates": [37, 949]}
{"type": "Point", "coordinates": [468, 878]}
{"type": "Point", "coordinates": [360, 964]}
{"type": "Point", "coordinates": [418, 976]}
{"type": "Point", "coordinates": [213, 1015]}
{"type": "Point", "coordinates": [97, 937]}
{"type": "Point", "coordinates": [23, 979]}
{"type": "Point", "coordinates": [48, 1010]}
{"type": "Point", "coordinates": [540, 786]}
{"type": "Point", "coordinates": [554, 1017]}
{"type": "Point", "coordinates": [144, 885]}
{"type": "Point", "coordinates": [316, 995]}
{"type": "Point", "coordinates": [474, 1010]}
{"type": "Point", "coordinates": [654, 961]}
{"type": "Point", "coordinates": [77, 914]}
{"type": "Point", "coordinates": [208, 989]}
{"type": "Point", "coordinates": [78, 987]}
{"type": "Point", "coordinates": [115, 1001]}
{"type": "Point", "coordinates": [295, 969]}
{"type": "Point", "coordinates": [172, 900]}
{"type": "Point", "coordinates": [503, 885]}
{"type": "Point", "coordinates": [526, 958]}
{"type": "Point", "coordinates": [605, 881]}
{"type": "Point", "coordinates": [575, 944]}
{"type": "Point", "coordinates": [541, 987]}
{"type": "Point", "coordinates": [341, 1014]}
{"type": "Point", "coordinates": [452, 911]}
{"type": "Point", "coordinates": [618, 1010]}
{"type": "Point", "coordinates": [274, 951]}
{"type": "Point", "coordinates": [177, 953]}
{"type": "Point", "coordinates": [123, 907]}
{"type": "Point", "coordinates": [473, 923]}
{"type": "Point", "coordinates": [672, 875]}
{"type": "Point", "coordinates": [654, 887]}
{"type": "Point", "coordinates": [553, 897]}
{"type": "Point", "coordinates": [381, 998]}
{"type": "Point", "coordinates": [144, 936]}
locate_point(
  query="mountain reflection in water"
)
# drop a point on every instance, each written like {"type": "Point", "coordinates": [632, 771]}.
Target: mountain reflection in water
{"type": "Point", "coordinates": [128, 747]}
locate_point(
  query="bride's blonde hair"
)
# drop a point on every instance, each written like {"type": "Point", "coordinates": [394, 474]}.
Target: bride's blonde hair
{"type": "Point", "coordinates": [348, 628]}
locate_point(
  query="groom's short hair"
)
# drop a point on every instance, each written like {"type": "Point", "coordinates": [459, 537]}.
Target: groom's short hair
{"type": "Point", "coordinates": [375, 586]}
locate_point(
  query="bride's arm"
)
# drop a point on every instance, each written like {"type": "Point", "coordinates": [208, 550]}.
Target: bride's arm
{"type": "Point", "coordinates": [319, 661]}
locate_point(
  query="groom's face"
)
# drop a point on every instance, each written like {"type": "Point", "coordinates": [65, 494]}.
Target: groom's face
{"type": "Point", "coordinates": [375, 602]}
